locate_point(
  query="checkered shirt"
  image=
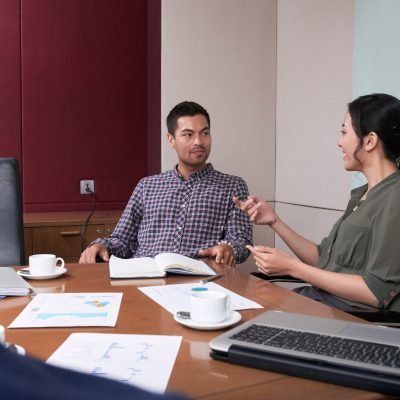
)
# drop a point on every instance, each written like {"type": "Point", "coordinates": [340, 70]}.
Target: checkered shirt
{"type": "Point", "coordinates": [169, 214]}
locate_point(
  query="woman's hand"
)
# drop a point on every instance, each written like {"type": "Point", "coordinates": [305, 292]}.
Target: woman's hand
{"type": "Point", "coordinates": [273, 262]}
{"type": "Point", "coordinates": [259, 211]}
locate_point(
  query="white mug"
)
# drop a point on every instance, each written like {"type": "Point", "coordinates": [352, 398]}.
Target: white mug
{"type": "Point", "coordinates": [210, 306]}
{"type": "Point", "coordinates": [45, 264]}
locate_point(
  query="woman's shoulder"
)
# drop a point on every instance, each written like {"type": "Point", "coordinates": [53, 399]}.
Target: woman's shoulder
{"type": "Point", "coordinates": [389, 196]}
{"type": "Point", "coordinates": [392, 186]}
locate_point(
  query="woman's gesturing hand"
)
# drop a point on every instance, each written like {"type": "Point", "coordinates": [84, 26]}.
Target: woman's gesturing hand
{"type": "Point", "coordinates": [259, 211]}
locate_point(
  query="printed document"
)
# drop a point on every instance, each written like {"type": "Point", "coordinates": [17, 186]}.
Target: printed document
{"type": "Point", "coordinates": [142, 360]}
{"type": "Point", "coordinates": [177, 297]}
{"type": "Point", "coordinates": [69, 309]}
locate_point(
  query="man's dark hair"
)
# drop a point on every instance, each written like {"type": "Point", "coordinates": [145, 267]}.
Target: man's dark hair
{"type": "Point", "coordinates": [184, 109]}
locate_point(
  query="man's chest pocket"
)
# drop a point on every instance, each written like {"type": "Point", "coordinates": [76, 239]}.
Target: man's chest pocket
{"type": "Point", "coordinates": [351, 245]}
{"type": "Point", "coordinates": [209, 209]}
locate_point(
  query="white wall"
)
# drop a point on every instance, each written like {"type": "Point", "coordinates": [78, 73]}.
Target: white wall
{"type": "Point", "coordinates": [271, 73]}
{"type": "Point", "coordinates": [314, 223]}
{"type": "Point", "coordinates": [314, 84]}
{"type": "Point", "coordinates": [222, 54]}
{"type": "Point", "coordinates": [376, 55]}
{"type": "Point", "coordinates": [376, 50]}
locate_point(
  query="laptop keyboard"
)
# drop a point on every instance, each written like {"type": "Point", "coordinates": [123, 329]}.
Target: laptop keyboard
{"type": "Point", "coordinates": [323, 345]}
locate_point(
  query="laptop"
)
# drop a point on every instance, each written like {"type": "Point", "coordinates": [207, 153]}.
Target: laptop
{"type": "Point", "coordinates": [345, 353]}
{"type": "Point", "coordinates": [11, 284]}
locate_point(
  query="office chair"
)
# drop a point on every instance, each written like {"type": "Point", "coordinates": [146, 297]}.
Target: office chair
{"type": "Point", "coordinates": [11, 218]}
{"type": "Point", "coordinates": [376, 316]}
{"type": "Point", "coordinates": [278, 278]}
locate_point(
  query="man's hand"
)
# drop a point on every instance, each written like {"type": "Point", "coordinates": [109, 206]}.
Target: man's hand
{"type": "Point", "coordinates": [223, 254]}
{"type": "Point", "coordinates": [89, 255]}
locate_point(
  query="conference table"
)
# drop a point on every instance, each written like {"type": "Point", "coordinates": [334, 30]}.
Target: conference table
{"type": "Point", "coordinates": [194, 373]}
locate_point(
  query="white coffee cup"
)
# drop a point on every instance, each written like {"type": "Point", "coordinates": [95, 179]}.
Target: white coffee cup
{"type": "Point", "coordinates": [210, 306]}
{"type": "Point", "coordinates": [45, 264]}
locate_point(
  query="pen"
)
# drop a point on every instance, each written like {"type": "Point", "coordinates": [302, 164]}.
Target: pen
{"type": "Point", "coordinates": [211, 278]}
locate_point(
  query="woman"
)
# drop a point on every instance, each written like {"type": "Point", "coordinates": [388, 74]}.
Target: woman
{"type": "Point", "coordinates": [359, 262]}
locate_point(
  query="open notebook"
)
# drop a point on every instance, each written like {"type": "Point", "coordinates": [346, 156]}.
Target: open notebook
{"type": "Point", "coordinates": [346, 353]}
{"type": "Point", "coordinates": [159, 266]}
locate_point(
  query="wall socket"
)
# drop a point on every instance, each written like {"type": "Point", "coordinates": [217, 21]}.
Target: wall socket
{"type": "Point", "coordinates": [87, 187]}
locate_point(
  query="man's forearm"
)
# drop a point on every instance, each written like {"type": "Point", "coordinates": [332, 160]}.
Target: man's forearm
{"type": "Point", "coordinates": [239, 246]}
{"type": "Point", "coordinates": [115, 246]}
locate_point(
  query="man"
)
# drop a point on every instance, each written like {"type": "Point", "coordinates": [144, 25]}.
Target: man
{"type": "Point", "coordinates": [188, 210]}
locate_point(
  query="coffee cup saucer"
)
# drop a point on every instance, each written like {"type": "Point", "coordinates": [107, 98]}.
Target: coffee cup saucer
{"type": "Point", "coordinates": [205, 326]}
{"type": "Point", "coordinates": [24, 272]}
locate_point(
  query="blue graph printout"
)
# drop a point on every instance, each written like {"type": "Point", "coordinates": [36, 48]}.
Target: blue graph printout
{"type": "Point", "coordinates": [70, 309]}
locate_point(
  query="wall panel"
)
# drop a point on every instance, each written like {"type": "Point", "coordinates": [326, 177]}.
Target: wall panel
{"type": "Point", "coordinates": [310, 222]}
{"type": "Point", "coordinates": [222, 54]}
{"type": "Point", "coordinates": [84, 108]}
{"type": "Point", "coordinates": [10, 82]}
{"type": "Point", "coordinates": [314, 84]}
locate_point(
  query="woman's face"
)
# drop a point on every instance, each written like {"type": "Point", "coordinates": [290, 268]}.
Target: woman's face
{"type": "Point", "coordinates": [348, 142]}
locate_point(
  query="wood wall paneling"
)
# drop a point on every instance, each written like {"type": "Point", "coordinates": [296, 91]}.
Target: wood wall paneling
{"type": "Point", "coordinates": [154, 87]}
{"type": "Point", "coordinates": [84, 101]}
{"type": "Point", "coordinates": [10, 82]}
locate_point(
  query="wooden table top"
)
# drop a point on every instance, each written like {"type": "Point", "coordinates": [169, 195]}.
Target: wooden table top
{"type": "Point", "coordinates": [194, 372]}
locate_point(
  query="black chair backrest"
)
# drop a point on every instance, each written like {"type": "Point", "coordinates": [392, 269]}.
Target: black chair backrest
{"type": "Point", "coordinates": [11, 217]}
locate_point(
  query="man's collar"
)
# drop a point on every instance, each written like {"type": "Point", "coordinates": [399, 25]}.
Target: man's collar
{"type": "Point", "coordinates": [202, 173]}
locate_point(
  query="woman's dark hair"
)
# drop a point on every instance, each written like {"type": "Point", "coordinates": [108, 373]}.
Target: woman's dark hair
{"type": "Point", "coordinates": [185, 109]}
{"type": "Point", "coordinates": [379, 113]}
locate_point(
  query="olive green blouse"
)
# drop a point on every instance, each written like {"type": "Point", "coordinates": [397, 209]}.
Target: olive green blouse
{"type": "Point", "coordinates": [366, 241]}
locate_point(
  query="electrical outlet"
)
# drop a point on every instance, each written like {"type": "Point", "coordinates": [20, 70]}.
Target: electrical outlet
{"type": "Point", "coordinates": [87, 187]}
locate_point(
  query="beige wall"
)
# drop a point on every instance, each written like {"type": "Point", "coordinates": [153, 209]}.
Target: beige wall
{"type": "Point", "coordinates": [314, 80]}
{"type": "Point", "coordinates": [314, 83]}
{"type": "Point", "coordinates": [222, 54]}
{"type": "Point", "coordinates": [314, 223]}
{"type": "Point", "coordinates": [272, 73]}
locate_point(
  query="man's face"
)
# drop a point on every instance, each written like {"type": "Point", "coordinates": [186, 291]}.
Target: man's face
{"type": "Point", "coordinates": [192, 141]}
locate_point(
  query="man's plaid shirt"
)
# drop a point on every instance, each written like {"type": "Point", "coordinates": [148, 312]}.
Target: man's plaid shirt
{"type": "Point", "coordinates": [169, 214]}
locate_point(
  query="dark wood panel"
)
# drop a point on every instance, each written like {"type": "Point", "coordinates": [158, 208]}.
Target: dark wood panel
{"type": "Point", "coordinates": [10, 82]}
{"type": "Point", "coordinates": [84, 74]}
{"type": "Point", "coordinates": [60, 233]}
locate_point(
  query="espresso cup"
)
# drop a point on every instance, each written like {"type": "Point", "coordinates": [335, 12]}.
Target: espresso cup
{"type": "Point", "coordinates": [210, 306]}
{"type": "Point", "coordinates": [45, 264]}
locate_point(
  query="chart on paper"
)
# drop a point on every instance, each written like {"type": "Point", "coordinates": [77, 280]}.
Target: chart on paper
{"type": "Point", "coordinates": [70, 309]}
{"type": "Point", "coordinates": [132, 359]}
{"type": "Point", "coordinates": [176, 297]}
